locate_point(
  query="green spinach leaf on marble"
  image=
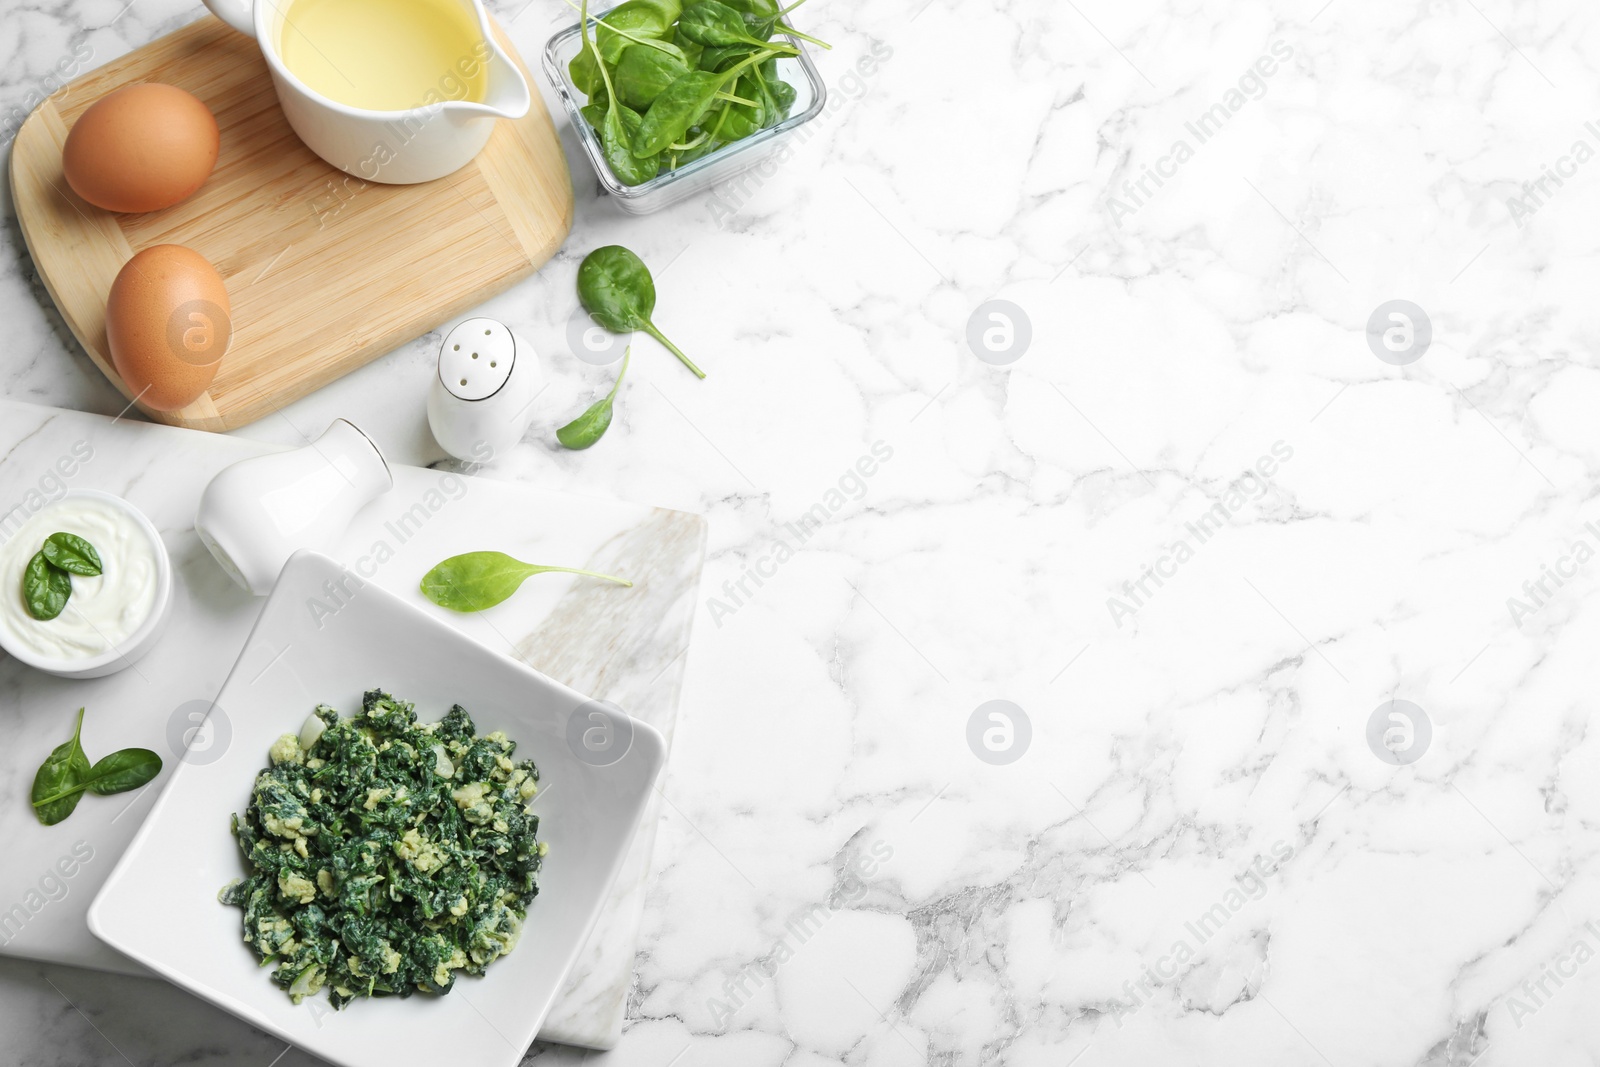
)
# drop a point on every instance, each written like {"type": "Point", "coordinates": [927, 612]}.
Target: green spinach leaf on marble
{"type": "Point", "coordinates": [477, 581]}
{"type": "Point", "coordinates": [66, 775]}
{"type": "Point", "coordinates": [58, 784]}
{"type": "Point", "coordinates": [616, 289]}
{"type": "Point", "coordinates": [589, 427]}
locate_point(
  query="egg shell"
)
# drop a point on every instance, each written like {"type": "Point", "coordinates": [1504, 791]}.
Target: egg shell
{"type": "Point", "coordinates": [141, 148]}
{"type": "Point", "coordinates": [168, 326]}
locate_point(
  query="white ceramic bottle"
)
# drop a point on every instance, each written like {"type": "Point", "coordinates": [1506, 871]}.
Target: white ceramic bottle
{"type": "Point", "coordinates": [257, 513]}
{"type": "Point", "coordinates": [481, 401]}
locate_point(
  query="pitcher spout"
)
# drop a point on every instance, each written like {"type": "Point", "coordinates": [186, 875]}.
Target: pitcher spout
{"type": "Point", "coordinates": [505, 96]}
{"type": "Point", "coordinates": [505, 90]}
{"type": "Point", "coordinates": [508, 95]}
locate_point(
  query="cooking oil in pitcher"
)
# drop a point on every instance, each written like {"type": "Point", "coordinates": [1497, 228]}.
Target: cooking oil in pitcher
{"type": "Point", "coordinates": [385, 55]}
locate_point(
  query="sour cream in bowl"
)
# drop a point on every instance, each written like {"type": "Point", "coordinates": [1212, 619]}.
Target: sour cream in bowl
{"type": "Point", "coordinates": [110, 619]}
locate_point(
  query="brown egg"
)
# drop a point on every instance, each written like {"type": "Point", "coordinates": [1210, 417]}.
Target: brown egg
{"type": "Point", "coordinates": [168, 324]}
{"type": "Point", "coordinates": [141, 148]}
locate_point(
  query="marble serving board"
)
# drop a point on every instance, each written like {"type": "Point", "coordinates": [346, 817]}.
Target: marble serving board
{"type": "Point", "coordinates": [632, 656]}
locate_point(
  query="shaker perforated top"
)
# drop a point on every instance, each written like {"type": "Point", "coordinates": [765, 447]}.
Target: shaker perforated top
{"type": "Point", "coordinates": [477, 359]}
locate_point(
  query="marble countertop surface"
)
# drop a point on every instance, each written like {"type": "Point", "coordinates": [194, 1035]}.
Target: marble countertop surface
{"type": "Point", "coordinates": [1263, 504]}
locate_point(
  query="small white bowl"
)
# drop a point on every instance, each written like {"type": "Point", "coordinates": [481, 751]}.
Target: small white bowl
{"type": "Point", "coordinates": [118, 657]}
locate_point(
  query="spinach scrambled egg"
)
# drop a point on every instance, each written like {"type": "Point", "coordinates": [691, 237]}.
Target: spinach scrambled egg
{"type": "Point", "coordinates": [387, 855]}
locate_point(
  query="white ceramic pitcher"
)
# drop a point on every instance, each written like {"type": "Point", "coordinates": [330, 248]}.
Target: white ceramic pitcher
{"type": "Point", "coordinates": [393, 147]}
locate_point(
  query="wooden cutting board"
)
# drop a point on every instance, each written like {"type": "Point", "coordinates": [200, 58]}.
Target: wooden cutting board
{"type": "Point", "coordinates": [325, 272]}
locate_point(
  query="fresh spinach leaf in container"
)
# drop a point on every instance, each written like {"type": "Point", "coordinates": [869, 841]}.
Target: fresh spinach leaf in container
{"type": "Point", "coordinates": [669, 87]}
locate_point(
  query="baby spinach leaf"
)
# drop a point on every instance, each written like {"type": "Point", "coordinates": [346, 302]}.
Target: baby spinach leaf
{"type": "Point", "coordinates": [667, 11]}
{"type": "Point", "coordinates": [742, 122]}
{"type": "Point", "coordinates": [477, 581]}
{"type": "Point", "coordinates": [719, 58]}
{"type": "Point", "coordinates": [743, 119]}
{"type": "Point", "coordinates": [619, 128]}
{"type": "Point", "coordinates": [45, 588]}
{"type": "Point", "coordinates": [121, 771]}
{"type": "Point", "coordinates": [636, 20]}
{"type": "Point", "coordinates": [584, 70]}
{"type": "Point", "coordinates": [649, 18]}
{"type": "Point", "coordinates": [612, 44]}
{"type": "Point", "coordinates": [66, 775]}
{"type": "Point", "coordinates": [642, 73]}
{"type": "Point", "coordinates": [783, 95]}
{"type": "Point", "coordinates": [72, 554]}
{"type": "Point", "coordinates": [617, 291]}
{"type": "Point", "coordinates": [764, 90]}
{"type": "Point", "coordinates": [777, 95]}
{"type": "Point", "coordinates": [57, 786]}
{"type": "Point", "coordinates": [682, 104]}
{"type": "Point", "coordinates": [589, 427]}
{"type": "Point", "coordinates": [711, 23]}
{"type": "Point", "coordinates": [691, 49]}
{"type": "Point", "coordinates": [678, 107]}
{"type": "Point", "coordinates": [666, 48]}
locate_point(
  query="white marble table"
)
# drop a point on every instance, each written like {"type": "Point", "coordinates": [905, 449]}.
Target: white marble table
{"type": "Point", "coordinates": [1199, 532]}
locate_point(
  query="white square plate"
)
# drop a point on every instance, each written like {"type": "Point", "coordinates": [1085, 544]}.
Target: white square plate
{"type": "Point", "coordinates": [160, 904]}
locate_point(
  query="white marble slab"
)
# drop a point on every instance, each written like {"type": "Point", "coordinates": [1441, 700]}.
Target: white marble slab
{"type": "Point", "coordinates": [631, 655]}
{"type": "Point", "coordinates": [1388, 158]}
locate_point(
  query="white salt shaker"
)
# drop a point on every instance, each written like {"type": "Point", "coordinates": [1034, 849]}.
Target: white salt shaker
{"type": "Point", "coordinates": [257, 513]}
{"type": "Point", "coordinates": [481, 401]}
